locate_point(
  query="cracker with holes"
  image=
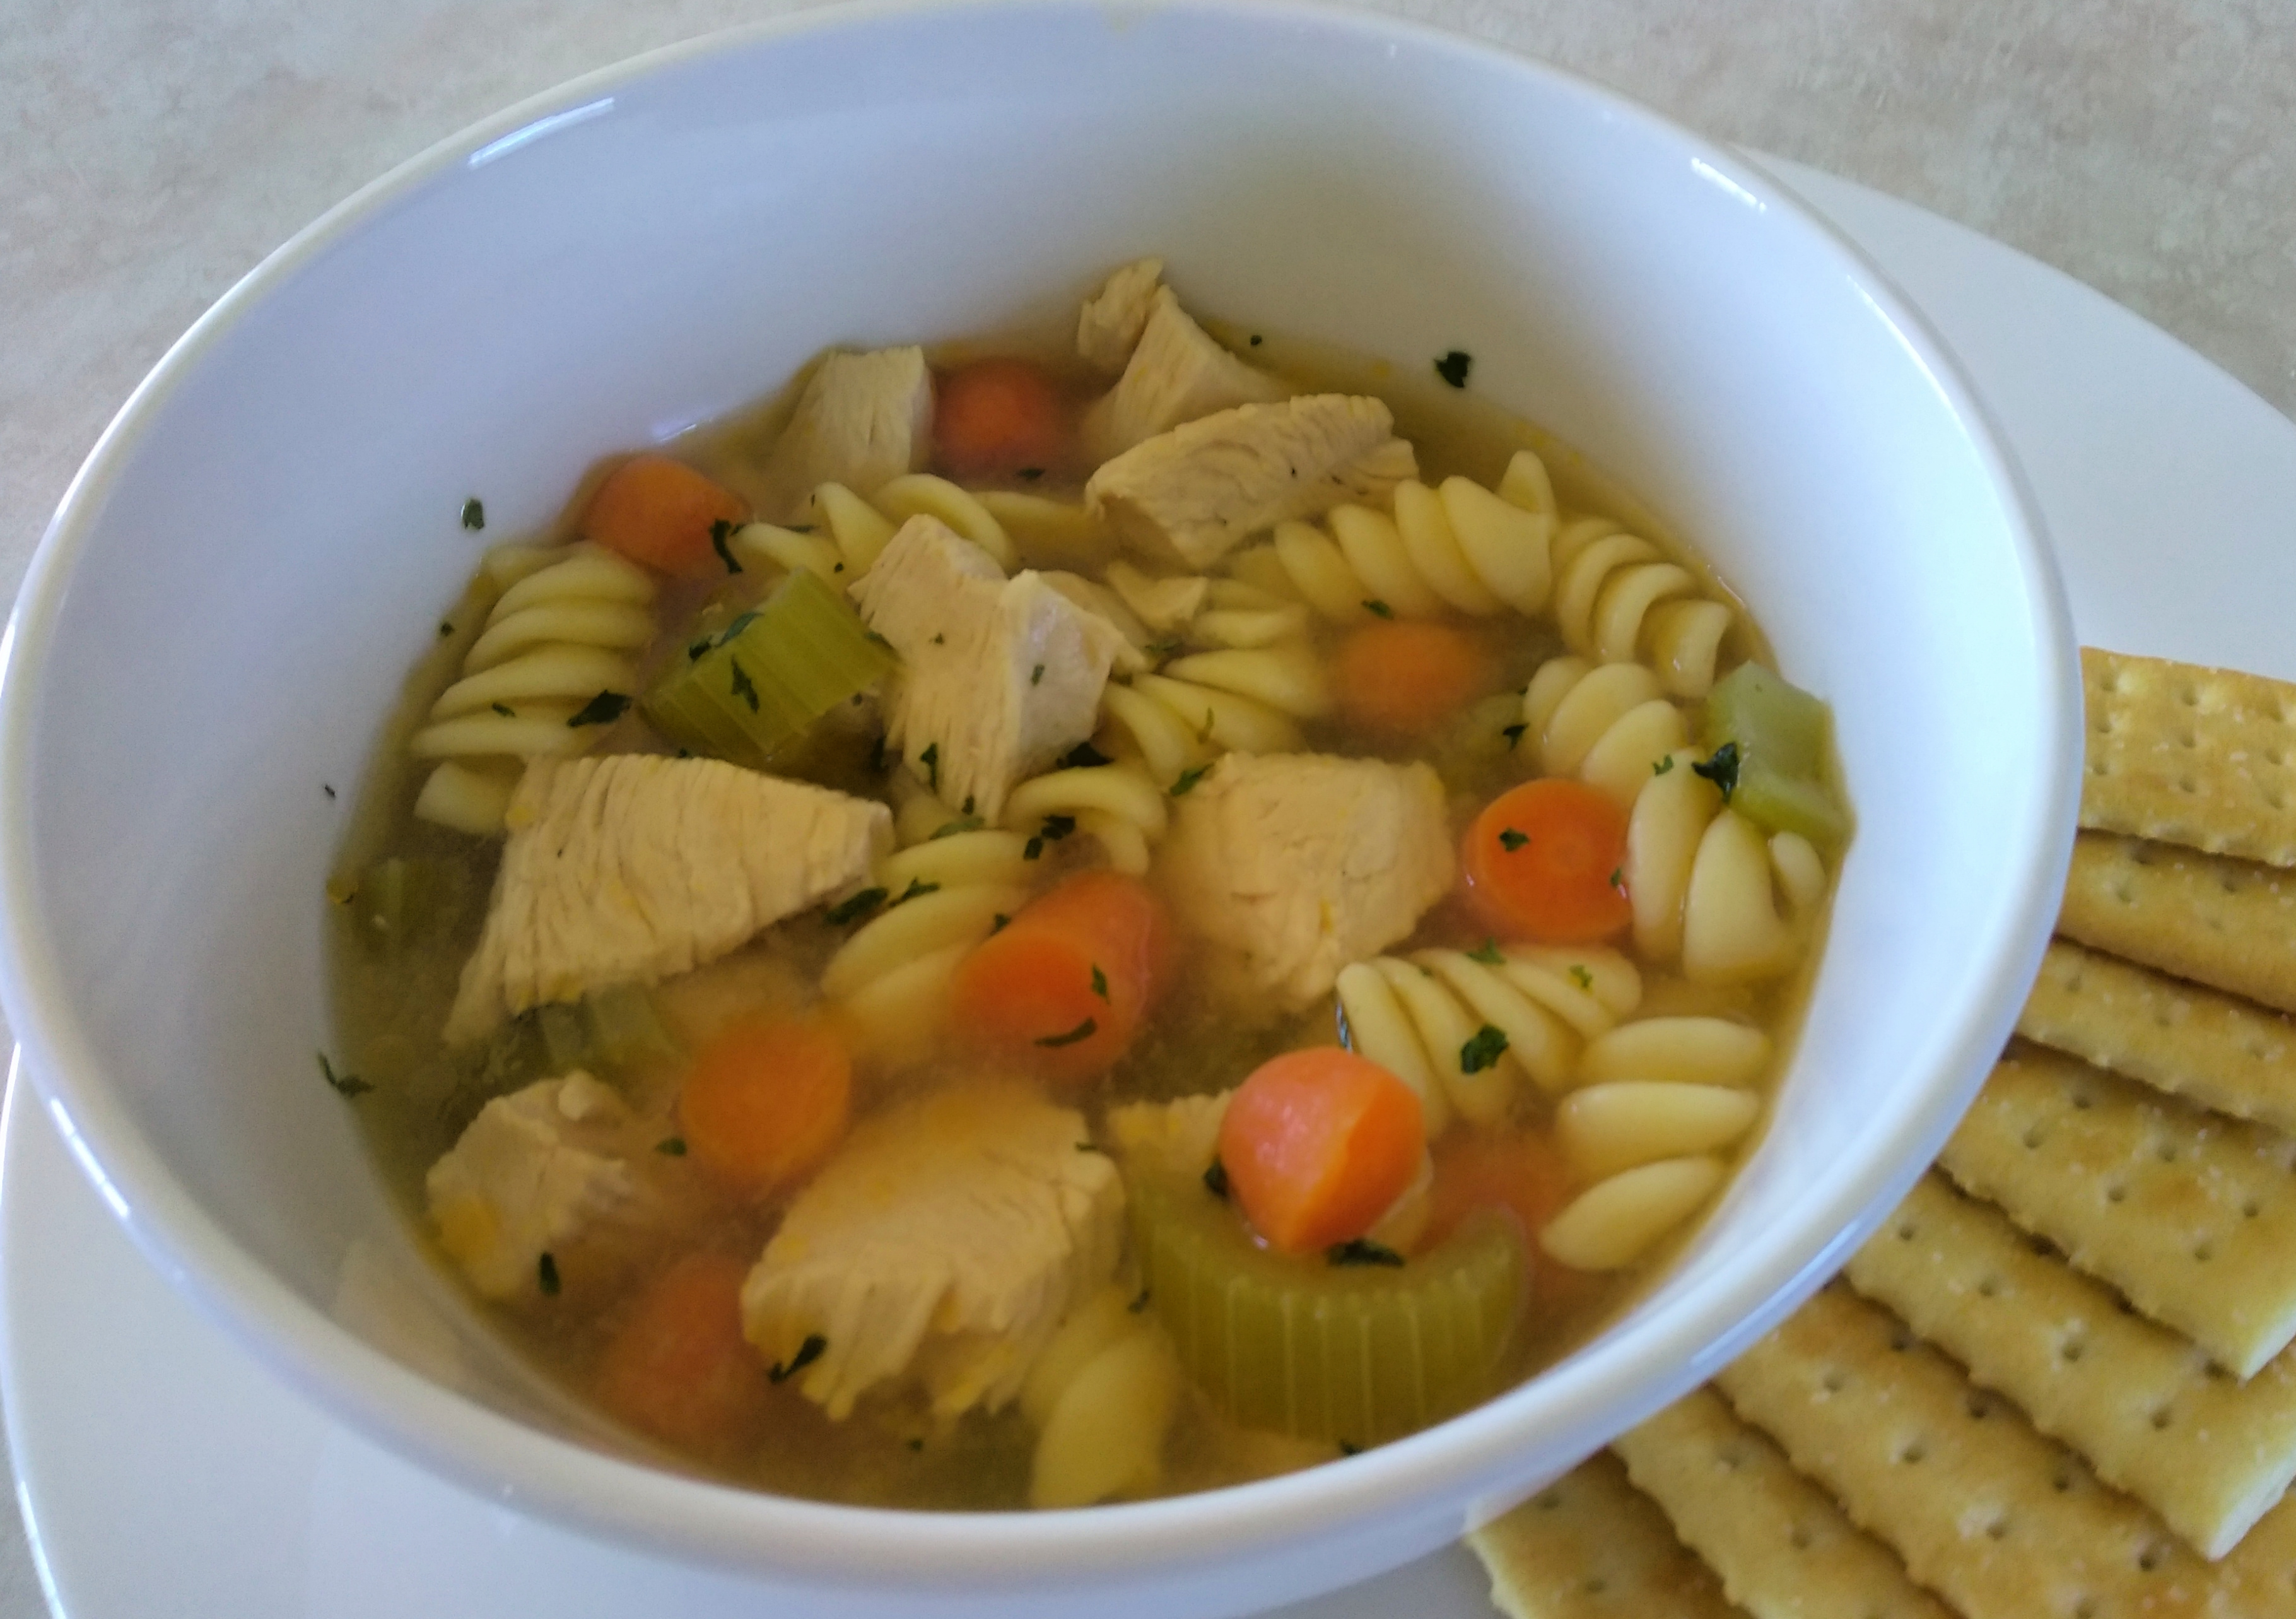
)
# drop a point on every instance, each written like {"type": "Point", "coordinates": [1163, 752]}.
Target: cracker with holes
{"type": "Point", "coordinates": [2203, 756]}
{"type": "Point", "coordinates": [2225, 923]}
{"type": "Point", "coordinates": [2143, 1405]}
{"type": "Point", "coordinates": [1783, 1548]}
{"type": "Point", "coordinates": [1591, 1546]}
{"type": "Point", "coordinates": [2001, 1521]}
{"type": "Point", "coordinates": [2216, 1049]}
{"type": "Point", "coordinates": [2191, 1216]}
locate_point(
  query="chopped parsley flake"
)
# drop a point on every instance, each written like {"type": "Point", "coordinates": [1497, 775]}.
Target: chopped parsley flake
{"type": "Point", "coordinates": [446, 628]}
{"type": "Point", "coordinates": [941, 640]}
{"type": "Point", "coordinates": [1362, 1251]}
{"type": "Point", "coordinates": [814, 1347]}
{"type": "Point", "coordinates": [1512, 839]}
{"type": "Point", "coordinates": [505, 709]}
{"type": "Point", "coordinates": [671, 1146]}
{"type": "Point", "coordinates": [855, 908]}
{"type": "Point", "coordinates": [1083, 756]}
{"type": "Point", "coordinates": [1216, 1179]}
{"type": "Point", "coordinates": [607, 707]}
{"type": "Point", "coordinates": [1488, 953]}
{"type": "Point", "coordinates": [1188, 779]}
{"type": "Point", "coordinates": [720, 531]}
{"type": "Point", "coordinates": [1037, 675]}
{"type": "Point", "coordinates": [931, 759]}
{"type": "Point", "coordinates": [1029, 475]}
{"type": "Point", "coordinates": [1099, 981]}
{"type": "Point", "coordinates": [1584, 979]}
{"type": "Point", "coordinates": [1513, 733]}
{"type": "Point", "coordinates": [1483, 1050]}
{"type": "Point", "coordinates": [1256, 339]}
{"type": "Point", "coordinates": [1140, 1303]}
{"type": "Point", "coordinates": [1377, 608]}
{"type": "Point", "coordinates": [1083, 1031]}
{"type": "Point", "coordinates": [545, 1275]}
{"type": "Point", "coordinates": [1452, 367]}
{"type": "Point", "coordinates": [346, 1085]}
{"type": "Point", "coordinates": [1664, 766]}
{"type": "Point", "coordinates": [999, 923]}
{"type": "Point", "coordinates": [1618, 876]}
{"type": "Point", "coordinates": [918, 889]}
{"type": "Point", "coordinates": [1347, 1447]}
{"type": "Point", "coordinates": [966, 807]}
{"type": "Point", "coordinates": [742, 689]}
{"type": "Point", "coordinates": [1722, 769]}
{"type": "Point", "coordinates": [967, 823]}
{"type": "Point", "coordinates": [327, 789]}
{"type": "Point", "coordinates": [474, 513]}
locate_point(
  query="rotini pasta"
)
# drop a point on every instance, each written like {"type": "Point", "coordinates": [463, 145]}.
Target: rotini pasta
{"type": "Point", "coordinates": [1607, 724]}
{"type": "Point", "coordinates": [1117, 804]}
{"type": "Point", "coordinates": [1616, 1221]}
{"type": "Point", "coordinates": [938, 895]}
{"type": "Point", "coordinates": [846, 532]}
{"type": "Point", "coordinates": [1101, 1397]}
{"type": "Point", "coordinates": [1430, 1019]}
{"type": "Point", "coordinates": [558, 646]}
{"type": "Point", "coordinates": [1707, 886]}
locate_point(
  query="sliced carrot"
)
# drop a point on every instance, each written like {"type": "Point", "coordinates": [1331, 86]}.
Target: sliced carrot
{"type": "Point", "coordinates": [660, 511]}
{"type": "Point", "coordinates": [998, 418]}
{"type": "Point", "coordinates": [679, 1369]}
{"type": "Point", "coordinates": [766, 1100]}
{"type": "Point", "coordinates": [1316, 1144]}
{"type": "Point", "coordinates": [1060, 990]}
{"type": "Point", "coordinates": [1399, 678]}
{"type": "Point", "coordinates": [1544, 861]}
{"type": "Point", "coordinates": [1524, 1174]}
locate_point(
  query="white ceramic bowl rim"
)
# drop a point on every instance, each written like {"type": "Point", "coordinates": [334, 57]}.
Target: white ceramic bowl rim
{"type": "Point", "coordinates": [1643, 1365]}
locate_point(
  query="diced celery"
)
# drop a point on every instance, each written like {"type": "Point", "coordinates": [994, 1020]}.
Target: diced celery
{"type": "Point", "coordinates": [624, 1028]}
{"type": "Point", "coordinates": [402, 900]}
{"type": "Point", "coordinates": [1789, 803]}
{"type": "Point", "coordinates": [1358, 1353]}
{"type": "Point", "coordinates": [1772, 721]}
{"type": "Point", "coordinates": [752, 692]}
{"type": "Point", "coordinates": [565, 1036]}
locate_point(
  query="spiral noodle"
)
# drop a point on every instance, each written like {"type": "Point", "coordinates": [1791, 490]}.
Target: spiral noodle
{"type": "Point", "coordinates": [942, 893]}
{"type": "Point", "coordinates": [1608, 725]}
{"type": "Point", "coordinates": [1658, 1102]}
{"type": "Point", "coordinates": [1254, 677]}
{"type": "Point", "coordinates": [1117, 804]}
{"type": "Point", "coordinates": [844, 534]}
{"type": "Point", "coordinates": [1427, 1019]}
{"type": "Point", "coordinates": [1705, 884]}
{"type": "Point", "coordinates": [565, 633]}
{"type": "Point", "coordinates": [1463, 548]}
{"type": "Point", "coordinates": [1101, 1396]}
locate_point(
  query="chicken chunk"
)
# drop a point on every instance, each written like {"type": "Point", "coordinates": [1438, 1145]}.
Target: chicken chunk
{"type": "Point", "coordinates": [862, 420]}
{"type": "Point", "coordinates": [630, 868]}
{"type": "Point", "coordinates": [1294, 865]}
{"type": "Point", "coordinates": [941, 1246]}
{"type": "Point", "coordinates": [1191, 495]}
{"type": "Point", "coordinates": [999, 677]}
{"type": "Point", "coordinates": [1109, 327]}
{"type": "Point", "coordinates": [530, 1176]}
{"type": "Point", "coordinates": [1176, 375]}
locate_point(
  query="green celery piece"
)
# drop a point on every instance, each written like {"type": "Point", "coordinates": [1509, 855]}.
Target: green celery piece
{"type": "Point", "coordinates": [624, 1029]}
{"type": "Point", "coordinates": [402, 899]}
{"type": "Point", "coordinates": [1772, 721]}
{"type": "Point", "coordinates": [753, 694]}
{"type": "Point", "coordinates": [1789, 803]}
{"type": "Point", "coordinates": [565, 1036]}
{"type": "Point", "coordinates": [1356, 1353]}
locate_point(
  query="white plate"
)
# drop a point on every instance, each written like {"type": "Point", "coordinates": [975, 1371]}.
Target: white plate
{"type": "Point", "coordinates": [162, 1472]}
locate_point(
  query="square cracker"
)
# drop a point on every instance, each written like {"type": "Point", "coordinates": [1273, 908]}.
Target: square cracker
{"type": "Point", "coordinates": [2143, 1405]}
{"type": "Point", "coordinates": [2203, 757]}
{"type": "Point", "coordinates": [2225, 923]}
{"type": "Point", "coordinates": [1782, 1547]}
{"type": "Point", "coordinates": [1999, 1521]}
{"type": "Point", "coordinates": [2219, 1050]}
{"type": "Point", "coordinates": [2191, 1216]}
{"type": "Point", "coordinates": [1591, 1546]}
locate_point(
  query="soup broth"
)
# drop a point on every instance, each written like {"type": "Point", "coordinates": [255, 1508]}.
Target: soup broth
{"type": "Point", "coordinates": [819, 1175]}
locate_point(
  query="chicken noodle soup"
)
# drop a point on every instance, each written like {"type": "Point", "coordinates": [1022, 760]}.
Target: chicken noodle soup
{"type": "Point", "coordinates": [1008, 931]}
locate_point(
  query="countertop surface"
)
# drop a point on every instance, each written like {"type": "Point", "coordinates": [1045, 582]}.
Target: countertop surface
{"type": "Point", "coordinates": [154, 151]}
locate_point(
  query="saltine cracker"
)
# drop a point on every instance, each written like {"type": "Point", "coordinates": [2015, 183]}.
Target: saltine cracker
{"type": "Point", "coordinates": [2183, 754]}
{"type": "Point", "coordinates": [2225, 923]}
{"type": "Point", "coordinates": [1591, 1546]}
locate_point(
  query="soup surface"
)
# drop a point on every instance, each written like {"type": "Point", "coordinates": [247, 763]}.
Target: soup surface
{"type": "Point", "coordinates": [1024, 928]}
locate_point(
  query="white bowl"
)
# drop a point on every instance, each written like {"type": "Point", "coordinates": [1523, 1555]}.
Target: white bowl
{"type": "Point", "coordinates": [240, 575]}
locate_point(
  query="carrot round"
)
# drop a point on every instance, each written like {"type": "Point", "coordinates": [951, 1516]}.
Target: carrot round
{"type": "Point", "coordinates": [679, 1369]}
{"type": "Point", "coordinates": [1316, 1144]}
{"type": "Point", "coordinates": [1060, 990]}
{"type": "Point", "coordinates": [1399, 678]}
{"type": "Point", "coordinates": [766, 1100]}
{"type": "Point", "coordinates": [1543, 861]}
{"type": "Point", "coordinates": [999, 417]}
{"type": "Point", "coordinates": [660, 511]}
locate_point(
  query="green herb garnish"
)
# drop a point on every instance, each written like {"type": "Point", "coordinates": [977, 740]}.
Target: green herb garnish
{"type": "Point", "coordinates": [857, 907]}
{"type": "Point", "coordinates": [1512, 839]}
{"type": "Point", "coordinates": [1452, 367]}
{"type": "Point", "coordinates": [607, 707]}
{"type": "Point", "coordinates": [346, 1085]}
{"type": "Point", "coordinates": [1586, 979]}
{"type": "Point", "coordinates": [1056, 828]}
{"type": "Point", "coordinates": [505, 709]}
{"type": "Point", "coordinates": [1037, 675]}
{"type": "Point", "coordinates": [1488, 953]}
{"type": "Point", "coordinates": [1189, 777]}
{"type": "Point", "coordinates": [1377, 608]}
{"type": "Point", "coordinates": [1084, 1031]}
{"type": "Point", "coordinates": [743, 688]}
{"type": "Point", "coordinates": [474, 513]}
{"type": "Point", "coordinates": [1664, 766]}
{"type": "Point", "coordinates": [671, 1146]}
{"type": "Point", "coordinates": [931, 759]}
{"type": "Point", "coordinates": [1722, 769]}
{"type": "Point", "coordinates": [814, 1347]}
{"type": "Point", "coordinates": [918, 889]}
{"type": "Point", "coordinates": [1099, 981]}
{"type": "Point", "coordinates": [1483, 1050]}
{"type": "Point", "coordinates": [1513, 733]}
{"type": "Point", "coordinates": [1216, 1179]}
{"type": "Point", "coordinates": [1362, 1251]}
{"type": "Point", "coordinates": [720, 531]}
{"type": "Point", "coordinates": [546, 1276]}
{"type": "Point", "coordinates": [1083, 756]}
{"type": "Point", "coordinates": [963, 822]}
